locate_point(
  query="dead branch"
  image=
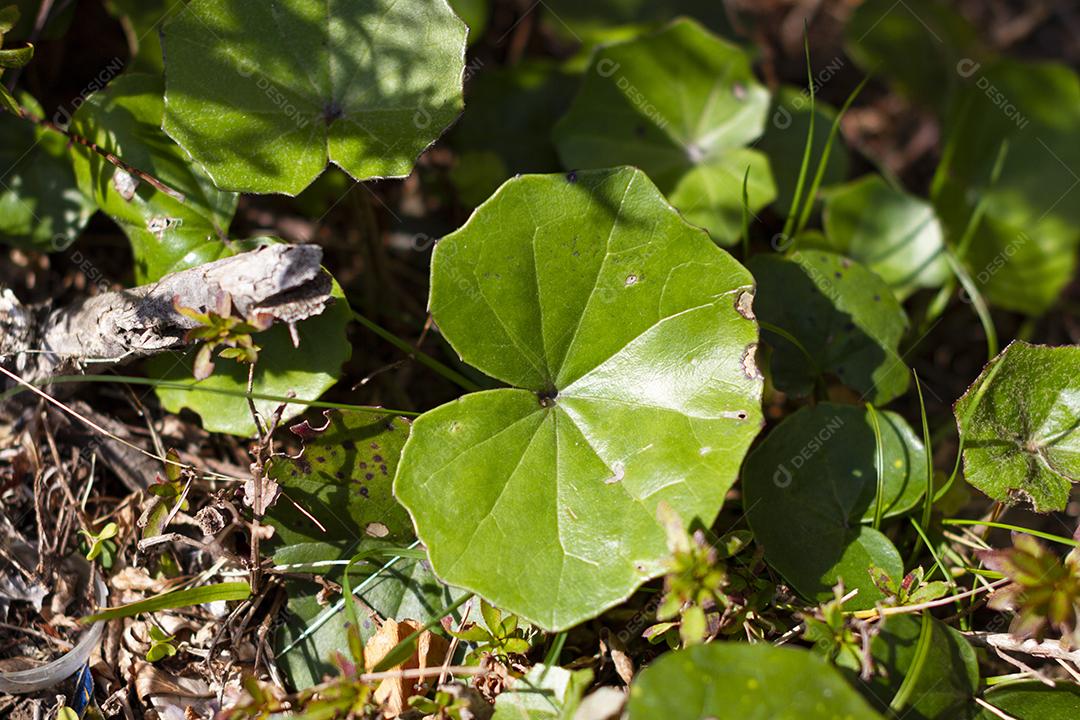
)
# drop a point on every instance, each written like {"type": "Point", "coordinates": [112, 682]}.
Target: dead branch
{"type": "Point", "coordinates": [1052, 649]}
{"type": "Point", "coordinates": [285, 282]}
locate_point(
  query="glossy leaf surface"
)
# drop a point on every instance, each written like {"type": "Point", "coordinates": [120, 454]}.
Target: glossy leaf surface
{"type": "Point", "coordinates": [628, 340]}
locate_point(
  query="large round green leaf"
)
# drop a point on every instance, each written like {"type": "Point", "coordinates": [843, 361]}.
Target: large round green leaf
{"type": "Point", "coordinates": [844, 317]}
{"type": "Point", "coordinates": [165, 234]}
{"type": "Point", "coordinates": [736, 681]}
{"type": "Point", "coordinates": [1020, 422]}
{"type": "Point", "coordinates": [896, 235]}
{"type": "Point", "coordinates": [1033, 701]}
{"type": "Point", "coordinates": [629, 340]}
{"type": "Point", "coordinates": [40, 205]}
{"type": "Point", "coordinates": [812, 484]}
{"type": "Point", "coordinates": [265, 94]}
{"type": "Point", "coordinates": [947, 681]}
{"type": "Point", "coordinates": [681, 104]}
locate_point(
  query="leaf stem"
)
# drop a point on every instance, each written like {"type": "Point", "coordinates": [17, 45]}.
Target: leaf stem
{"type": "Point", "coordinates": [423, 358]}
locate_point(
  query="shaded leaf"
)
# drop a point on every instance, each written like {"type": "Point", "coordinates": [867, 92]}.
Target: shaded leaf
{"type": "Point", "coordinates": [589, 21]}
{"type": "Point", "coordinates": [737, 681]}
{"type": "Point", "coordinates": [844, 316]}
{"type": "Point", "coordinates": [294, 85]}
{"type": "Point", "coordinates": [589, 295]}
{"type": "Point", "coordinates": [811, 485]}
{"type": "Point", "coordinates": [1032, 701]}
{"type": "Point", "coordinates": [681, 104]}
{"type": "Point", "coordinates": [1020, 422]}
{"type": "Point", "coordinates": [949, 677]}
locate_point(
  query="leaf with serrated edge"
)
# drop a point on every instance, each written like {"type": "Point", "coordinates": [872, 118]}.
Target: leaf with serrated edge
{"type": "Point", "coordinates": [629, 338]}
{"type": "Point", "coordinates": [264, 95]}
{"type": "Point", "coordinates": [1020, 422]}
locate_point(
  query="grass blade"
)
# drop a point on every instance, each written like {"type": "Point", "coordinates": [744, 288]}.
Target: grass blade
{"type": "Point", "coordinates": [175, 599]}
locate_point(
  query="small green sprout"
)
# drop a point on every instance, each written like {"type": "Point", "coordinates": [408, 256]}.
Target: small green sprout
{"type": "Point", "coordinates": [219, 328]}
{"type": "Point", "coordinates": [502, 637]}
{"type": "Point", "coordinates": [443, 706]}
{"type": "Point", "coordinates": [832, 634]}
{"type": "Point", "coordinates": [98, 541]}
{"type": "Point", "coordinates": [11, 58]}
{"type": "Point", "coordinates": [160, 645]}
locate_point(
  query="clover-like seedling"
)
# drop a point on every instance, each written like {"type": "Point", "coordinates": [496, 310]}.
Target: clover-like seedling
{"type": "Point", "coordinates": [502, 638]}
{"type": "Point", "coordinates": [98, 542]}
{"type": "Point", "coordinates": [832, 634]}
{"type": "Point", "coordinates": [161, 645]}
{"type": "Point", "coordinates": [911, 589]}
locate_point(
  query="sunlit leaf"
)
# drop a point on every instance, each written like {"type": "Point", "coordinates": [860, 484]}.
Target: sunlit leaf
{"type": "Point", "coordinates": [265, 95]}
{"type": "Point", "coordinates": [590, 296]}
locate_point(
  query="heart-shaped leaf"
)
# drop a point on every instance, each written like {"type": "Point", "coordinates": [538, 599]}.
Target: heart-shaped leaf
{"type": "Point", "coordinates": [1020, 423]}
{"type": "Point", "coordinates": [342, 480]}
{"type": "Point", "coordinates": [1032, 701]}
{"type": "Point", "coordinates": [681, 104]}
{"type": "Point", "coordinates": [947, 681]}
{"type": "Point", "coordinates": [738, 681]}
{"type": "Point", "coordinates": [628, 338]}
{"type": "Point", "coordinates": [166, 235]}
{"type": "Point", "coordinates": [785, 138]}
{"type": "Point", "coordinates": [844, 317]}
{"type": "Point", "coordinates": [40, 205]}
{"type": "Point", "coordinates": [264, 95]}
{"type": "Point", "coordinates": [1024, 251]}
{"type": "Point", "coordinates": [812, 484]}
{"type": "Point", "coordinates": [896, 235]}
{"type": "Point", "coordinates": [307, 370]}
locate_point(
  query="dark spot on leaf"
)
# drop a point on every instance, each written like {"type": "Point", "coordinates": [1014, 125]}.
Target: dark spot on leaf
{"type": "Point", "coordinates": [377, 458]}
{"type": "Point", "coordinates": [547, 397]}
{"type": "Point", "coordinates": [572, 176]}
{"type": "Point", "coordinates": [364, 491]}
{"type": "Point", "coordinates": [374, 446]}
{"type": "Point", "coordinates": [838, 274]}
{"type": "Point", "coordinates": [369, 476]}
{"type": "Point", "coordinates": [339, 475]}
{"type": "Point", "coordinates": [320, 459]}
{"type": "Point", "coordinates": [304, 465]}
{"type": "Point", "coordinates": [383, 468]}
{"type": "Point", "coordinates": [332, 111]}
{"type": "Point", "coordinates": [363, 464]}
{"type": "Point", "coordinates": [877, 298]}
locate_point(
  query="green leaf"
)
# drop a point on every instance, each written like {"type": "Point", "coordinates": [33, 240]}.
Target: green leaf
{"type": "Point", "coordinates": [175, 599]}
{"type": "Point", "coordinates": [1033, 701]}
{"type": "Point", "coordinates": [543, 693]}
{"type": "Point", "coordinates": [1020, 425]}
{"type": "Point", "coordinates": [896, 235]}
{"type": "Point", "coordinates": [40, 206]}
{"type": "Point", "coordinates": [506, 127]}
{"type": "Point", "coordinates": [810, 486]}
{"type": "Point", "coordinates": [308, 371]}
{"type": "Point", "coordinates": [949, 677]}
{"type": "Point", "coordinates": [619, 327]}
{"type": "Point", "coordinates": [1025, 252]}
{"type": "Point", "coordinates": [919, 45]}
{"type": "Point", "coordinates": [842, 314]}
{"type": "Point", "coordinates": [341, 478]}
{"type": "Point", "coordinates": [16, 57]}
{"type": "Point", "coordinates": [785, 138]}
{"type": "Point", "coordinates": [9, 15]}
{"type": "Point", "coordinates": [293, 85]}
{"type": "Point", "coordinates": [737, 681]}
{"type": "Point", "coordinates": [681, 104]}
{"type": "Point", "coordinates": [166, 235]}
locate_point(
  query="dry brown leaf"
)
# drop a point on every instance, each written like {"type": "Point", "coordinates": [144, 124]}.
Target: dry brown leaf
{"type": "Point", "coordinates": [431, 649]}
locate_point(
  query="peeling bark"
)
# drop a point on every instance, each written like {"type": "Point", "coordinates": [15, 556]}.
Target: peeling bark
{"type": "Point", "coordinates": [285, 282]}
